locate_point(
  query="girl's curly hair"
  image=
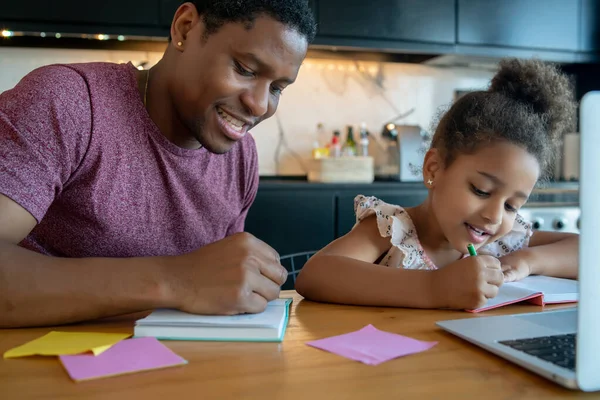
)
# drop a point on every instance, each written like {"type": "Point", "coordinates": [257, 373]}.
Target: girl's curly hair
{"type": "Point", "coordinates": [529, 103]}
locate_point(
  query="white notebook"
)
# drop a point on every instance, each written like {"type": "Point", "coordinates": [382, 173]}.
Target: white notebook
{"type": "Point", "coordinates": [536, 289]}
{"type": "Point", "coordinates": [268, 326]}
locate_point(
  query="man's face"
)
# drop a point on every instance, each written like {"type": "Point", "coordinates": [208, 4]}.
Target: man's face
{"type": "Point", "coordinates": [225, 84]}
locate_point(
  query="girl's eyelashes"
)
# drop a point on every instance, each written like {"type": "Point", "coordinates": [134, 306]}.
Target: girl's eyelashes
{"type": "Point", "coordinates": [480, 193]}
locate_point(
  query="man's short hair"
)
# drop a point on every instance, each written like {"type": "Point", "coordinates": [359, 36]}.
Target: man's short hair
{"type": "Point", "coordinates": [293, 13]}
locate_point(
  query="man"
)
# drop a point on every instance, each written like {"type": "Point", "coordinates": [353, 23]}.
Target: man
{"type": "Point", "coordinates": [125, 190]}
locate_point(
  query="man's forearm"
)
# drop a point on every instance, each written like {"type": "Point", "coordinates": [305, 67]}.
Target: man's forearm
{"type": "Point", "coordinates": [40, 290]}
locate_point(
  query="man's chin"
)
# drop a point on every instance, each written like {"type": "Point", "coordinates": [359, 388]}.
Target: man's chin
{"type": "Point", "coordinates": [217, 146]}
{"type": "Point", "coordinates": [212, 139]}
{"type": "Point", "coordinates": [219, 150]}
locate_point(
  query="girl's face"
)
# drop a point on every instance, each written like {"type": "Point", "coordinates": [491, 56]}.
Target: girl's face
{"type": "Point", "coordinates": [476, 199]}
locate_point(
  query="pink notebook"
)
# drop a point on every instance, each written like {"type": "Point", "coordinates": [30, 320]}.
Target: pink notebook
{"type": "Point", "coordinates": [538, 290]}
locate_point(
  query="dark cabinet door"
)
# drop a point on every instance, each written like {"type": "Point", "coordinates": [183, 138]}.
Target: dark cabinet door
{"type": "Point", "coordinates": [167, 11]}
{"type": "Point", "coordinates": [408, 20]}
{"type": "Point", "coordinates": [105, 12]}
{"type": "Point", "coordinates": [590, 25]}
{"type": "Point", "coordinates": [542, 24]}
{"type": "Point", "coordinates": [404, 198]}
{"type": "Point", "coordinates": [293, 221]}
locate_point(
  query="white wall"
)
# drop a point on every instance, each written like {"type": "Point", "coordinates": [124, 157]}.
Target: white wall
{"type": "Point", "coordinates": [333, 92]}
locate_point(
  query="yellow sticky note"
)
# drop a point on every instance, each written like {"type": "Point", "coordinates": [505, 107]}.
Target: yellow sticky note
{"type": "Point", "coordinates": [62, 343]}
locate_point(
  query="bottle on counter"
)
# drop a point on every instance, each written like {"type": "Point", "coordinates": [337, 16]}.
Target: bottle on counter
{"type": "Point", "coordinates": [320, 133]}
{"type": "Point", "coordinates": [363, 148]}
{"type": "Point", "coordinates": [335, 150]}
{"type": "Point", "coordinates": [318, 150]}
{"type": "Point", "coordinates": [349, 148]}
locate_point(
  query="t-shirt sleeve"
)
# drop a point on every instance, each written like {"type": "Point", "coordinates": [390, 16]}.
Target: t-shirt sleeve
{"type": "Point", "coordinates": [251, 184]}
{"type": "Point", "coordinates": [45, 127]}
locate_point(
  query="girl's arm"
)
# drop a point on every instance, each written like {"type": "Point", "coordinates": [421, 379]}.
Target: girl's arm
{"type": "Point", "coordinates": [344, 272]}
{"type": "Point", "coordinates": [549, 253]}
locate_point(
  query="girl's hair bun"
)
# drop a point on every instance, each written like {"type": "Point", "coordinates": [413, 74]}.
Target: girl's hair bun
{"type": "Point", "coordinates": [542, 88]}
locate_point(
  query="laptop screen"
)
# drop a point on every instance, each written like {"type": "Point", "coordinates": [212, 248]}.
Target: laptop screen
{"type": "Point", "coordinates": [588, 324]}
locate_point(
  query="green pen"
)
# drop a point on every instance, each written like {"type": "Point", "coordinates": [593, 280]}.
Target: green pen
{"type": "Point", "coordinates": [471, 249]}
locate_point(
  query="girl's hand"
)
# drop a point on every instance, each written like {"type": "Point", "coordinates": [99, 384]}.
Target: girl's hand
{"type": "Point", "coordinates": [467, 283]}
{"type": "Point", "coordinates": [514, 267]}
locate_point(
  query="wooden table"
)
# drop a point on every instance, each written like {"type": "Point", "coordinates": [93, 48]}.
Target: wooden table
{"type": "Point", "coordinates": [292, 370]}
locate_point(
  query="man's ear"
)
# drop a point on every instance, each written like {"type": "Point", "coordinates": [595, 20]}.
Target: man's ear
{"type": "Point", "coordinates": [184, 20]}
{"type": "Point", "coordinates": [433, 167]}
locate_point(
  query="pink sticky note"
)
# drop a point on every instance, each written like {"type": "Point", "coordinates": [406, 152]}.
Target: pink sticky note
{"type": "Point", "coordinates": [371, 346]}
{"type": "Point", "coordinates": [132, 355]}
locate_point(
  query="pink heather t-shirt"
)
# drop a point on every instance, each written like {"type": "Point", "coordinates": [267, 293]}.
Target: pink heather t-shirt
{"type": "Point", "coordinates": [80, 153]}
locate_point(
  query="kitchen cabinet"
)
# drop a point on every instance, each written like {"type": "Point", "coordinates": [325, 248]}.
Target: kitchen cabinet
{"type": "Point", "coordinates": [167, 11]}
{"type": "Point", "coordinates": [118, 16]}
{"type": "Point", "coordinates": [297, 216]}
{"type": "Point", "coordinates": [313, 7]}
{"type": "Point", "coordinates": [590, 25]}
{"type": "Point", "coordinates": [565, 31]}
{"type": "Point", "coordinates": [534, 24]}
{"type": "Point", "coordinates": [405, 20]}
{"type": "Point", "coordinates": [293, 221]}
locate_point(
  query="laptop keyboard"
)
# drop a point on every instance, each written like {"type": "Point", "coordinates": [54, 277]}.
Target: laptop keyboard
{"type": "Point", "coordinates": [557, 349]}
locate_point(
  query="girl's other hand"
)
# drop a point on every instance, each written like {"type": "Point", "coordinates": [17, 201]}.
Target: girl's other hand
{"type": "Point", "coordinates": [514, 267]}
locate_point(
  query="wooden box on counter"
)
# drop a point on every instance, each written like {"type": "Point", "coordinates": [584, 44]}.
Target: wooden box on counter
{"type": "Point", "coordinates": [353, 169]}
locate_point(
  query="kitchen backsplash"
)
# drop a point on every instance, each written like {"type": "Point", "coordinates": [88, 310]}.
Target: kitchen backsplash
{"type": "Point", "coordinates": [334, 92]}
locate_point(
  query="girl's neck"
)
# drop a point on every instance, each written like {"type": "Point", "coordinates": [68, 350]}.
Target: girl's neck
{"type": "Point", "coordinates": [430, 235]}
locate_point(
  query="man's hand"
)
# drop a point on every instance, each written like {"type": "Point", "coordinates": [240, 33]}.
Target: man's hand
{"type": "Point", "coordinates": [514, 267]}
{"type": "Point", "coordinates": [467, 283]}
{"type": "Point", "coordinates": [238, 274]}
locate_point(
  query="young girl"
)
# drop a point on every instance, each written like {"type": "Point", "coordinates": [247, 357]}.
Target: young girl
{"type": "Point", "coordinates": [488, 152]}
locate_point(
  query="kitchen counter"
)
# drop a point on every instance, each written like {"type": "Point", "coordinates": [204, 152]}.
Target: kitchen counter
{"type": "Point", "coordinates": [546, 194]}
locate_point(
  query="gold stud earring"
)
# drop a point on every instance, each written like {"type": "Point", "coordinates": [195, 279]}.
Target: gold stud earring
{"type": "Point", "coordinates": [429, 182]}
{"type": "Point", "coordinates": [179, 44]}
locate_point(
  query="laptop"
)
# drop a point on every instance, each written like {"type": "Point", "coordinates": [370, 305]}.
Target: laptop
{"type": "Point", "coordinates": [561, 345]}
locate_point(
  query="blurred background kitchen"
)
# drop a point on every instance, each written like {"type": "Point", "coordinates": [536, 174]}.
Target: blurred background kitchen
{"type": "Point", "coordinates": [362, 110]}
